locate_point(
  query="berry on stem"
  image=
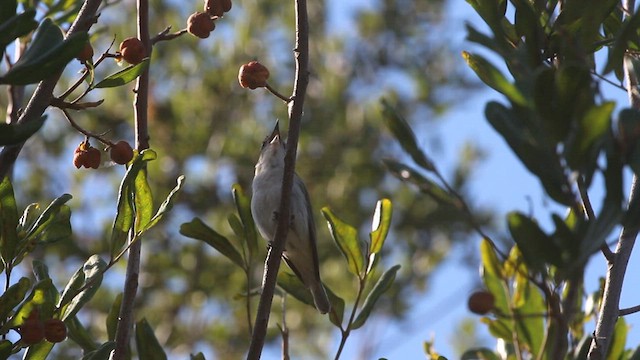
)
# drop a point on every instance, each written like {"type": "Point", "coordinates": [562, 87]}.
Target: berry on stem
{"type": "Point", "coordinates": [200, 25]}
{"type": "Point", "coordinates": [132, 50]}
{"type": "Point", "coordinates": [121, 152]}
{"type": "Point", "coordinates": [253, 75]}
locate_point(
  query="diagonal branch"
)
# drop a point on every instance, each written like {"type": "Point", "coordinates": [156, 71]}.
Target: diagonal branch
{"type": "Point", "coordinates": [272, 263]}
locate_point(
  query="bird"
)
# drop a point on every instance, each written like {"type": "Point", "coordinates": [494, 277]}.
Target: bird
{"type": "Point", "coordinates": [300, 251]}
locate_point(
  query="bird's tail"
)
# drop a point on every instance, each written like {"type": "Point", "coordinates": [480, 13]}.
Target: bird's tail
{"type": "Point", "coordinates": [320, 298]}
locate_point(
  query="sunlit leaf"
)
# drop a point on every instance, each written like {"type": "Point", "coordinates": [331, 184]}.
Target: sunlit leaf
{"type": "Point", "coordinates": [383, 284]}
{"type": "Point", "coordinates": [13, 296]}
{"type": "Point", "coordinates": [619, 340]}
{"type": "Point", "coordinates": [123, 76]}
{"type": "Point", "coordinates": [346, 237]}
{"type": "Point", "coordinates": [198, 230]}
{"type": "Point", "coordinates": [493, 276]}
{"type": "Point", "coordinates": [147, 343]}
{"type": "Point", "coordinates": [491, 76]}
{"type": "Point", "coordinates": [166, 205]}
{"type": "Point", "coordinates": [379, 230]}
{"type": "Point", "coordinates": [87, 279]}
{"type": "Point", "coordinates": [37, 298]}
{"type": "Point", "coordinates": [243, 205]}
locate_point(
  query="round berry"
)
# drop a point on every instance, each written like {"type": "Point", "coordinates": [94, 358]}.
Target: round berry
{"type": "Point", "coordinates": [132, 50]}
{"type": "Point", "coordinates": [121, 152]}
{"type": "Point", "coordinates": [253, 75]}
{"type": "Point", "coordinates": [481, 302]}
{"type": "Point", "coordinates": [31, 331]}
{"type": "Point", "coordinates": [55, 330]}
{"type": "Point", "coordinates": [217, 7]}
{"type": "Point", "coordinates": [200, 25]}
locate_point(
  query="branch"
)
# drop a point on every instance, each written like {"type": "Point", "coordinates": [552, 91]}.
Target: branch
{"type": "Point", "coordinates": [272, 263]}
{"type": "Point", "coordinates": [43, 94]}
{"type": "Point", "coordinates": [610, 309]}
{"type": "Point", "coordinates": [142, 142]}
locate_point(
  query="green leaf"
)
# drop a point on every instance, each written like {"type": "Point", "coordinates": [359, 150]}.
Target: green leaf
{"type": "Point", "coordinates": [293, 286]}
{"type": "Point", "coordinates": [142, 200]}
{"type": "Point", "coordinates": [336, 315]}
{"type": "Point", "coordinates": [529, 324]}
{"type": "Point", "coordinates": [493, 275]}
{"type": "Point", "coordinates": [49, 216]}
{"type": "Point", "coordinates": [165, 207]}
{"type": "Point", "coordinates": [39, 351]}
{"type": "Point", "coordinates": [88, 278]}
{"type": "Point", "coordinates": [125, 216]}
{"type": "Point", "coordinates": [408, 174]}
{"type": "Point", "coordinates": [243, 205]}
{"type": "Point", "coordinates": [80, 335]}
{"type": "Point", "coordinates": [479, 354]}
{"type": "Point", "coordinates": [101, 353]}
{"type": "Point", "coordinates": [8, 9]}
{"type": "Point", "coordinates": [16, 26]}
{"type": "Point", "coordinates": [8, 222]}
{"type": "Point", "coordinates": [196, 229]}
{"type": "Point", "coordinates": [405, 136]}
{"type": "Point", "coordinates": [147, 343]}
{"type": "Point", "coordinates": [537, 248]}
{"type": "Point", "coordinates": [113, 317]}
{"type": "Point", "coordinates": [58, 229]}
{"type": "Point", "coordinates": [619, 340]}
{"type": "Point", "coordinates": [48, 54]}
{"type": "Point", "coordinates": [123, 76]}
{"type": "Point", "coordinates": [627, 33]}
{"type": "Point", "coordinates": [494, 78]}
{"type": "Point", "coordinates": [6, 348]}
{"type": "Point", "coordinates": [346, 237]}
{"type": "Point", "coordinates": [379, 230]}
{"type": "Point", "coordinates": [37, 298]}
{"type": "Point", "coordinates": [592, 127]}
{"type": "Point", "coordinates": [383, 284]}
{"type": "Point", "coordinates": [12, 134]}
{"type": "Point", "coordinates": [13, 296]}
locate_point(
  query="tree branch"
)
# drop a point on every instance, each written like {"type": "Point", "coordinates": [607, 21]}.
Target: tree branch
{"type": "Point", "coordinates": [142, 142]}
{"type": "Point", "coordinates": [610, 309]}
{"type": "Point", "coordinates": [43, 94]}
{"type": "Point", "coordinates": [272, 263]}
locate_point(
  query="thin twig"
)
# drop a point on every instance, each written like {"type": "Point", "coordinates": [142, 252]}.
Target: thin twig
{"type": "Point", "coordinates": [274, 255]}
{"type": "Point", "coordinates": [165, 35]}
{"type": "Point", "coordinates": [277, 94]}
{"type": "Point", "coordinates": [591, 215]}
{"type": "Point", "coordinates": [73, 124]}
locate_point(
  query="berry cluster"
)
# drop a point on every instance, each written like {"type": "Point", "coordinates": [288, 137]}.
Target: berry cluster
{"type": "Point", "coordinates": [88, 156]}
{"type": "Point", "coordinates": [33, 330]}
{"type": "Point", "coordinates": [201, 24]}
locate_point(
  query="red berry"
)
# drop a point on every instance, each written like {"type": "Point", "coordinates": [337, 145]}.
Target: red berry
{"type": "Point", "coordinates": [121, 153]}
{"type": "Point", "coordinates": [31, 331]}
{"type": "Point", "coordinates": [55, 330]}
{"type": "Point", "coordinates": [253, 75]}
{"type": "Point", "coordinates": [87, 156]}
{"type": "Point", "coordinates": [481, 302]}
{"type": "Point", "coordinates": [132, 50]}
{"type": "Point", "coordinates": [217, 7]}
{"type": "Point", "coordinates": [200, 25]}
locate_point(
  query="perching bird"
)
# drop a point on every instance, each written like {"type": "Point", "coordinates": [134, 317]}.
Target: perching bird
{"type": "Point", "coordinates": [300, 251]}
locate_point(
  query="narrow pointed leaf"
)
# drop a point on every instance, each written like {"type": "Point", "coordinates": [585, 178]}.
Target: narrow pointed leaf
{"type": "Point", "coordinates": [147, 343]}
{"type": "Point", "coordinates": [405, 136]}
{"type": "Point", "coordinates": [123, 76]}
{"type": "Point", "coordinates": [379, 230]}
{"type": "Point", "coordinates": [39, 351]}
{"type": "Point", "coordinates": [538, 249]}
{"type": "Point", "coordinates": [494, 78]}
{"type": "Point", "coordinates": [346, 237]}
{"type": "Point", "coordinates": [198, 230]}
{"type": "Point", "coordinates": [113, 317]}
{"type": "Point", "coordinates": [89, 275]}
{"type": "Point", "coordinates": [80, 335]}
{"type": "Point", "coordinates": [166, 205]}
{"type": "Point", "coordinates": [142, 199]}
{"type": "Point", "coordinates": [294, 287]}
{"type": "Point", "coordinates": [243, 205]}
{"type": "Point", "coordinates": [426, 186]}
{"type": "Point", "coordinates": [8, 222]}
{"type": "Point", "coordinates": [37, 298]}
{"type": "Point", "coordinates": [616, 348]}
{"type": "Point", "coordinates": [383, 284]}
{"type": "Point", "coordinates": [16, 26]}
{"type": "Point", "coordinates": [13, 296]}
{"type": "Point", "coordinates": [102, 352]}
{"type": "Point", "coordinates": [336, 315]}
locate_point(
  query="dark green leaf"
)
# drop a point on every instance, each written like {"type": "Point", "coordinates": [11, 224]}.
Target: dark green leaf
{"type": "Point", "coordinates": [628, 32]}
{"type": "Point", "coordinates": [8, 222]}
{"type": "Point", "coordinates": [48, 54]}
{"type": "Point", "coordinates": [113, 317]}
{"type": "Point", "coordinates": [123, 76]}
{"type": "Point", "coordinates": [88, 278]}
{"type": "Point", "coordinates": [49, 216]}
{"type": "Point", "coordinates": [243, 205]}
{"type": "Point", "coordinates": [59, 228]}
{"type": "Point", "coordinates": [165, 207]}
{"type": "Point", "coordinates": [494, 78]}
{"type": "Point", "coordinates": [346, 237]}
{"type": "Point", "coordinates": [16, 26]}
{"type": "Point", "coordinates": [13, 296]}
{"type": "Point", "coordinates": [435, 191]}
{"type": "Point", "coordinates": [537, 248]}
{"type": "Point", "coordinates": [80, 335]}
{"type": "Point", "coordinates": [379, 230]}
{"type": "Point", "coordinates": [383, 284]}
{"type": "Point", "coordinates": [405, 136]}
{"type": "Point", "coordinates": [582, 349]}
{"type": "Point", "coordinates": [147, 343]}
{"type": "Point", "coordinates": [8, 9]}
{"type": "Point", "coordinates": [336, 315]}
{"type": "Point", "coordinates": [6, 348]}
{"type": "Point", "coordinates": [592, 127]}
{"type": "Point", "coordinates": [101, 353]}
{"type": "Point", "coordinates": [479, 354]}
{"type": "Point", "coordinates": [196, 229]}
{"type": "Point", "coordinates": [291, 284]}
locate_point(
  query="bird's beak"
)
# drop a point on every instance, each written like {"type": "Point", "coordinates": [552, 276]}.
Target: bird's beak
{"type": "Point", "coordinates": [275, 134]}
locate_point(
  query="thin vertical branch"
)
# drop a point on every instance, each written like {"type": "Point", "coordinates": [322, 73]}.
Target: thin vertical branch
{"type": "Point", "coordinates": [610, 309]}
{"type": "Point", "coordinates": [141, 99]}
{"type": "Point", "coordinates": [274, 255]}
{"type": "Point", "coordinates": [43, 94]}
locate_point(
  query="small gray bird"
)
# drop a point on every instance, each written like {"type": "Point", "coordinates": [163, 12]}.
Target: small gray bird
{"type": "Point", "coordinates": [300, 251]}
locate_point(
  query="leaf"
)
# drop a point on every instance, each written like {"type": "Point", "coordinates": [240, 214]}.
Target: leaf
{"type": "Point", "coordinates": [196, 229]}
{"type": "Point", "coordinates": [125, 216]}
{"type": "Point", "coordinates": [13, 296]}
{"type": "Point", "coordinates": [59, 229]}
{"type": "Point", "coordinates": [346, 237]}
{"type": "Point", "coordinates": [8, 9]}
{"type": "Point", "coordinates": [408, 174]}
{"type": "Point", "coordinates": [494, 78]}
{"type": "Point", "coordinates": [379, 230]}
{"type": "Point", "coordinates": [37, 298]}
{"type": "Point", "coordinates": [243, 205]}
{"type": "Point", "coordinates": [147, 343]}
{"type": "Point", "coordinates": [616, 348]}
{"type": "Point", "coordinates": [49, 216]}
{"type": "Point", "coordinates": [592, 127]}
{"type": "Point", "coordinates": [383, 284]}
{"type": "Point", "coordinates": [113, 317]}
{"type": "Point", "coordinates": [39, 351]}
{"type": "Point", "coordinates": [405, 136]}
{"type": "Point", "coordinates": [88, 278]}
{"type": "Point", "coordinates": [123, 76]}
{"type": "Point", "coordinates": [101, 353]}
{"type": "Point", "coordinates": [16, 26]}
{"type": "Point", "coordinates": [198, 356]}
{"type": "Point", "coordinates": [48, 54]}
{"type": "Point", "coordinates": [479, 354]}
{"type": "Point", "coordinates": [627, 32]}
{"type": "Point", "coordinates": [166, 205]}
{"type": "Point", "coordinates": [336, 315]}
{"type": "Point", "coordinates": [493, 275]}
{"type": "Point", "coordinates": [80, 335]}
{"type": "Point", "coordinates": [142, 199]}
{"type": "Point", "coordinates": [537, 248]}
{"type": "Point", "coordinates": [292, 285]}
{"type": "Point", "coordinates": [8, 222]}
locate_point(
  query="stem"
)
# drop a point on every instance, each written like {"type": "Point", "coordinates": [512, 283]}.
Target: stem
{"type": "Point", "coordinates": [616, 270]}
{"type": "Point", "coordinates": [274, 255]}
{"type": "Point", "coordinates": [43, 94]}
{"type": "Point", "coordinates": [142, 142]}
{"type": "Point", "coordinates": [346, 332]}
